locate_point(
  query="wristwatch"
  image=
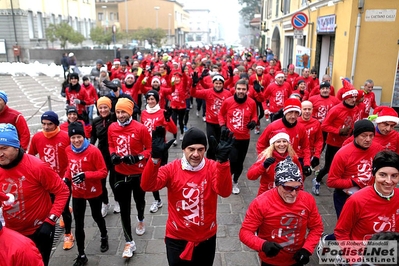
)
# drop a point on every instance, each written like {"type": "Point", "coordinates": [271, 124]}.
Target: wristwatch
{"type": "Point", "coordinates": [53, 218]}
{"type": "Point", "coordinates": [141, 157]}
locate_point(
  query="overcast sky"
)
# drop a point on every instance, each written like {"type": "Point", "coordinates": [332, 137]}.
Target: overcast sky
{"type": "Point", "coordinates": [225, 10]}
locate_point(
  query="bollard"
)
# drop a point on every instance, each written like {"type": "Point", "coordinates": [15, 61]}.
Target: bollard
{"type": "Point", "coordinates": [49, 102]}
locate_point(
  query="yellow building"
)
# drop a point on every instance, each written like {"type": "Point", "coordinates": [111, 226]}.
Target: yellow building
{"type": "Point", "coordinates": [344, 38]}
{"type": "Point", "coordinates": [167, 15]}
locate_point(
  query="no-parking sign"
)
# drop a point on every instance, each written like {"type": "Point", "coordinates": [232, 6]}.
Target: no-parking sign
{"type": "Point", "coordinates": [299, 20]}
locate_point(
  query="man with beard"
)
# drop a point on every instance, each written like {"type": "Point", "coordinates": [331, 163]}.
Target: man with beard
{"type": "Point", "coordinates": [238, 114]}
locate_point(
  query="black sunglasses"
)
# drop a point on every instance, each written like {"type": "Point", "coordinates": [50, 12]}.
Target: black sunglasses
{"type": "Point", "coordinates": [290, 189]}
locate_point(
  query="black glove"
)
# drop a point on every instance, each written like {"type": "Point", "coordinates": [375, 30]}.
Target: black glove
{"type": "Point", "coordinates": [269, 161]}
{"type": "Point", "coordinates": [257, 86]}
{"type": "Point", "coordinates": [152, 66]}
{"type": "Point", "coordinates": [110, 85]}
{"type": "Point", "coordinates": [231, 71]}
{"type": "Point", "coordinates": [168, 70]}
{"type": "Point", "coordinates": [67, 182]}
{"type": "Point", "coordinates": [195, 79]}
{"type": "Point", "coordinates": [204, 73]}
{"type": "Point", "coordinates": [271, 249]}
{"type": "Point", "coordinates": [306, 170]}
{"type": "Point", "coordinates": [46, 230]}
{"type": "Point", "coordinates": [78, 178]}
{"type": "Point", "coordinates": [302, 256]}
{"type": "Point", "coordinates": [159, 147]}
{"type": "Point", "coordinates": [115, 159]}
{"type": "Point", "coordinates": [167, 113]}
{"type": "Point", "coordinates": [223, 129]}
{"type": "Point", "coordinates": [251, 125]}
{"type": "Point", "coordinates": [224, 147]}
{"type": "Point", "coordinates": [132, 159]}
{"type": "Point", "coordinates": [314, 162]}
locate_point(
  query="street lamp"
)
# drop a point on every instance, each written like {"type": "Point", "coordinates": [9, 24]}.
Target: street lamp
{"type": "Point", "coordinates": [156, 16]}
{"type": "Point", "coordinates": [169, 40]}
{"type": "Point", "coordinates": [126, 19]}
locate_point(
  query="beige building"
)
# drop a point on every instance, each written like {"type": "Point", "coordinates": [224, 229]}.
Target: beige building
{"type": "Point", "coordinates": [23, 22]}
{"type": "Point", "coordinates": [164, 14]}
{"type": "Point", "coordinates": [343, 38]}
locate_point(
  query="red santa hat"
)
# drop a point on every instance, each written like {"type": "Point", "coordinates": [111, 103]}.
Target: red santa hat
{"type": "Point", "coordinates": [155, 79]}
{"type": "Point", "coordinates": [360, 94]}
{"type": "Point", "coordinates": [291, 66]}
{"type": "Point", "coordinates": [279, 134]}
{"type": "Point", "coordinates": [292, 104]}
{"type": "Point", "coordinates": [260, 67]}
{"type": "Point", "coordinates": [349, 90]}
{"type": "Point", "coordinates": [279, 74]}
{"type": "Point", "coordinates": [386, 114]}
{"type": "Point", "coordinates": [117, 61]}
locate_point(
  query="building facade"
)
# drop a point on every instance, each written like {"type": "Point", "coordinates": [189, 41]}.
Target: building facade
{"type": "Point", "coordinates": [357, 39]}
{"type": "Point", "coordinates": [23, 23]}
{"type": "Point", "coordinates": [164, 14]}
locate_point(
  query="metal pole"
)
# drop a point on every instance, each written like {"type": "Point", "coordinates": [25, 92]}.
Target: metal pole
{"type": "Point", "coordinates": [126, 18]}
{"type": "Point", "coordinates": [49, 102]}
{"type": "Point", "coordinates": [359, 16]}
{"type": "Point", "coordinates": [15, 29]}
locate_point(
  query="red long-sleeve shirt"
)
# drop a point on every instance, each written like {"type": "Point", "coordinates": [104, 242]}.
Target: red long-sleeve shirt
{"type": "Point", "coordinates": [321, 106]}
{"type": "Point", "coordinates": [153, 120]}
{"type": "Point", "coordinates": [235, 116]}
{"type": "Point", "coordinates": [91, 162]}
{"type": "Point", "coordinates": [51, 150]}
{"type": "Point", "coordinates": [369, 102]}
{"type": "Point", "coordinates": [132, 139]}
{"type": "Point", "coordinates": [13, 117]}
{"type": "Point", "coordinates": [338, 117]}
{"type": "Point", "coordinates": [313, 130]}
{"type": "Point", "coordinates": [213, 100]}
{"type": "Point", "coordinates": [192, 196]}
{"type": "Point", "coordinates": [269, 218]}
{"type": "Point", "coordinates": [276, 95]}
{"type": "Point", "coordinates": [31, 183]}
{"type": "Point", "coordinates": [365, 213]}
{"type": "Point", "coordinates": [351, 163]}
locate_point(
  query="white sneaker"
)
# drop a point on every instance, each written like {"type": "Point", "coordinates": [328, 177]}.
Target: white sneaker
{"type": "Point", "coordinates": [117, 208]}
{"type": "Point", "coordinates": [174, 143]}
{"type": "Point", "coordinates": [181, 137]}
{"type": "Point", "coordinates": [140, 227]}
{"type": "Point", "coordinates": [104, 209]}
{"type": "Point", "coordinates": [204, 118]}
{"type": "Point", "coordinates": [130, 247]}
{"type": "Point", "coordinates": [155, 206]}
{"type": "Point", "coordinates": [236, 189]}
{"type": "Point", "coordinates": [197, 114]}
{"type": "Point", "coordinates": [257, 130]}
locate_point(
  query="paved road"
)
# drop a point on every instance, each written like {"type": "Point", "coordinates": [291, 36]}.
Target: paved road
{"type": "Point", "coordinates": [29, 95]}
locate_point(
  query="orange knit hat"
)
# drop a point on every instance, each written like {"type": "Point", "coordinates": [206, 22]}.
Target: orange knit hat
{"type": "Point", "coordinates": [126, 105]}
{"type": "Point", "coordinates": [104, 100]}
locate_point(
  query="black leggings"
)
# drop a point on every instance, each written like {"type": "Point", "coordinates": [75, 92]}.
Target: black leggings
{"type": "Point", "coordinates": [203, 254]}
{"type": "Point", "coordinates": [212, 130]}
{"type": "Point", "coordinates": [179, 113]}
{"type": "Point", "coordinates": [123, 187]}
{"type": "Point", "coordinates": [261, 112]}
{"type": "Point", "coordinates": [79, 209]}
{"type": "Point", "coordinates": [66, 214]}
{"type": "Point", "coordinates": [237, 157]}
{"type": "Point", "coordinates": [44, 245]}
{"type": "Point", "coordinates": [329, 156]}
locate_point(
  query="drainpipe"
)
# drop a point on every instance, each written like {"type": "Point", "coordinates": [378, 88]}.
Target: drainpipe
{"type": "Point", "coordinates": [359, 17]}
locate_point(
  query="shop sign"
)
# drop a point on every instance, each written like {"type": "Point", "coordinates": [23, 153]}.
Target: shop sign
{"type": "Point", "coordinates": [385, 15]}
{"type": "Point", "coordinates": [326, 24]}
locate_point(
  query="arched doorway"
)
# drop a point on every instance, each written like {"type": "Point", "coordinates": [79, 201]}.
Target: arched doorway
{"type": "Point", "coordinates": [275, 45]}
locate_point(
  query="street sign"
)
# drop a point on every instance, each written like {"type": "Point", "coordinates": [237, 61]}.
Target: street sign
{"type": "Point", "coordinates": [299, 20]}
{"type": "Point", "coordinates": [298, 34]}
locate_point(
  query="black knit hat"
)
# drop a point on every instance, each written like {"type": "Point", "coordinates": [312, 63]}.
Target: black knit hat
{"type": "Point", "coordinates": [325, 84]}
{"type": "Point", "coordinates": [363, 125]}
{"type": "Point", "coordinates": [76, 128]}
{"type": "Point", "coordinates": [193, 136]}
{"type": "Point", "coordinates": [152, 93]}
{"type": "Point", "coordinates": [74, 75]}
{"type": "Point", "coordinates": [71, 109]}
